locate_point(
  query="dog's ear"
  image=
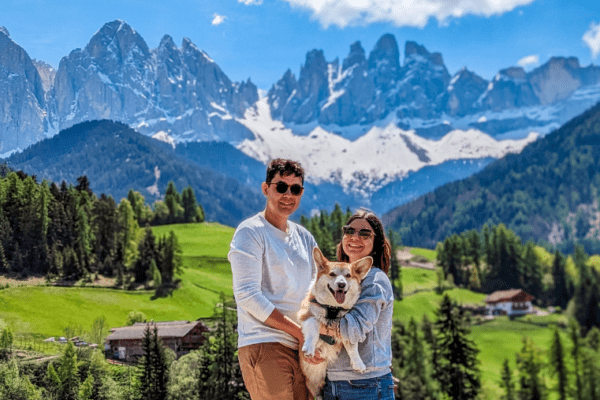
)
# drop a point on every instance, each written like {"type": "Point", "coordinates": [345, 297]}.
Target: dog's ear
{"type": "Point", "coordinates": [320, 259]}
{"type": "Point", "coordinates": [362, 267]}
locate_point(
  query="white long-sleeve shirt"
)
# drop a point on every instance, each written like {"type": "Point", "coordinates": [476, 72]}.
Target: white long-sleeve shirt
{"type": "Point", "coordinates": [271, 269]}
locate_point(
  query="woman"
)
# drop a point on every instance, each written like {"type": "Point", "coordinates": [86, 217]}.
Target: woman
{"type": "Point", "coordinates": [369, 323]}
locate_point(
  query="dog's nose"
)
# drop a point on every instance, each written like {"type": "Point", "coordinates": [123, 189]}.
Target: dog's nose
{"type": "Point", "coordinates": [341, 285]}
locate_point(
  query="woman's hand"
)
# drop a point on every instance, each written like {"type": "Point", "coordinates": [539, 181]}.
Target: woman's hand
{"type": "Point", "coordinates": [314, 360]}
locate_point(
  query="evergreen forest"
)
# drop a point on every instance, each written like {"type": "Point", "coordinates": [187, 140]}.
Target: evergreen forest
{"type": "Point", "coordinates": [66, 233]}
{"type": "Point", "coordinates": [549, 193]}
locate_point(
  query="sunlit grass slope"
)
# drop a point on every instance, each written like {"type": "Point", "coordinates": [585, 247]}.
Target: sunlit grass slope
{"type": "Point", "coordinates": [46, 310]}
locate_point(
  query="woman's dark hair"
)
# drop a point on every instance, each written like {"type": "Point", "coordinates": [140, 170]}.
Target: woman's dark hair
{"type": "Point", "coordinates": [284, 167]}
{"type": "Point", "coordinates": [382, 250]}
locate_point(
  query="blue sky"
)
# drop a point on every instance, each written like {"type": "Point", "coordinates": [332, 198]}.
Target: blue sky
{"type": "Point", "coordinates": [260, 39]}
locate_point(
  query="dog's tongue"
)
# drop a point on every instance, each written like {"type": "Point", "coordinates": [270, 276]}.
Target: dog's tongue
{"type": "Point", "coordinates": [340, 296]}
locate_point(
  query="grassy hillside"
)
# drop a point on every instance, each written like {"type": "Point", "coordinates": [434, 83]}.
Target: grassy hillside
{"type": "Point", "coordinates": [44, 311]}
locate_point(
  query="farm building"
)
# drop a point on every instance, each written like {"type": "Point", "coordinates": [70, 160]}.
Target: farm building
{"type": "Point", "coordinates": [509, 302]}
{"type": "Point", "coordinates": [180, 336]}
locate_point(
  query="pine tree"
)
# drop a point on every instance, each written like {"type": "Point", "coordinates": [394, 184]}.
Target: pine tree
{"type": "Point", "coordinates": [148, 253]}
{"type": "Point", "coordinates": [558, 367]}
{"type": "Point", "coordinates": [531, 387]}
{"type": "Point", "coordinates": [220, 374]}
{"type": "Point", "coordinates": [105, 226]}
{"type": "Point", "coordinates": [507, 382]}
{"type": "Point", "coordinates": [153, 368]}
{"type": "Point", "coordinates": [129, 229]}
{"type": "Point", "coordinates": [173, 203]}
{"type": "Point", "coordinates": [456, 366]}
{"type": "Point", "coordinates": [531, 271]}
{"type": "Point", "coordinates": [560, 292]}
{"type": "Point", "coordinates": [68, 374]}
{"type": "Point", "coordinates": [590, 372]}
{"type": "Point", "coordinates": [395, 268]}
{"type": "Point", "coordinates": [86, 389]}
{"type": "Point", "coordinates": [169, 259]}
{"type": "Point", "coordinates": [504, 257]}
{"type": "Point", "coordinates": [575, 336]}
{"type": "Point", "coordinates": [189, 205]}
{"type": "Point", "coordinates": [587, 292]}
{"type": "Point", "coordinates": [417, 371]}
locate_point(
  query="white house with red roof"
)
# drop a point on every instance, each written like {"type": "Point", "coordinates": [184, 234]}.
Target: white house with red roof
{"type": "Point", "coordinates": [509, 302]}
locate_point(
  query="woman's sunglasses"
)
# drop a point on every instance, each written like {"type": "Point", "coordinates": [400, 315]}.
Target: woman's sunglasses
{"type": "Point", "coordinates": [363, 233]}
{"type": "Point", "coordinates": [282, 188]}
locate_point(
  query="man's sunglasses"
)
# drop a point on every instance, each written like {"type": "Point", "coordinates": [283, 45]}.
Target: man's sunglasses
{"type": "Point", "coordinates": [363, 233]}
{"type": "Point", "coordinates": [282, 188]}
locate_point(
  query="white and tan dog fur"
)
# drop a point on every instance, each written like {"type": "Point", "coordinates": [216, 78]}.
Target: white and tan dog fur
{"type": "Point", "coordinates": [333, 293]}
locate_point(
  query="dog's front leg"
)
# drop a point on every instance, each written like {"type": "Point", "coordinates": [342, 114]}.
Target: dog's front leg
{"type": "Point", "coordinates": [352, 350]}
{"type": "Point", "coordinates": [310, 330]}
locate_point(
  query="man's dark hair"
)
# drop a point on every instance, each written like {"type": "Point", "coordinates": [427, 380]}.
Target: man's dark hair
{"type": "Point", "coordinates": [284, 167]}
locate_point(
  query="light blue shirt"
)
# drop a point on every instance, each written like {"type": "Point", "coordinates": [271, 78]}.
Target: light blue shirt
{"type": "Point", "coordinates": [369, 324]}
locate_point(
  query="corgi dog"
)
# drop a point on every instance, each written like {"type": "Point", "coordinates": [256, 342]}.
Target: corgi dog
{"type": "Point", "coordinates": [333, 293]}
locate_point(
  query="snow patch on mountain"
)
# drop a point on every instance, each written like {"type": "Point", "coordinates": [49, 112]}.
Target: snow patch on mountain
{"type": "Point", "coordinates": [164, 137]}
{"type": "Point", "coordinates": [385, 153]}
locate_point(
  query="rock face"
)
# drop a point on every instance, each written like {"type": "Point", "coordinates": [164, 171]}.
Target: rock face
{"type": "Point", "coordinates": [23, 117]}
{"type": "Point", "coordinates": [364, 90]}
{"type": "Point", "coordinates": [180, 91]}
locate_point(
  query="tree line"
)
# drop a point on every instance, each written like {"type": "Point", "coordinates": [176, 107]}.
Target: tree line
{"type": "Point", "coordinates": [67, 232]}
{"type": "Point", "coordinates": [550, 188]}
{"type": "Point", "coordinates": [496, 259]}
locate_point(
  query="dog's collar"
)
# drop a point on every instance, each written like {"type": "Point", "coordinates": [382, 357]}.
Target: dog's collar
{"type": "Point", "coordinates": [332, 312]}
{"type": "Point", "coordinates": [327, 339]}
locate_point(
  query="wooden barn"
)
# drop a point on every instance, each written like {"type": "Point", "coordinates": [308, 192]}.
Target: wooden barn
{"type": "Point", "coordinates": [509, 302]}
{"type": "Point", "coordinates": [180, 336]}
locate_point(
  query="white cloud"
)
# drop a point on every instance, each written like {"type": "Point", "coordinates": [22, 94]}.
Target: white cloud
{"type": "Point", "coordinates": [401, 12]}
{"type": "Point", "coordinates": [249, 2]}
{"type": "Point", "coordinates": [526, 61]}
{"type": "Point", "coordinates": [592, 39]}
{"type": "Point", "coordinates": [218, 19]}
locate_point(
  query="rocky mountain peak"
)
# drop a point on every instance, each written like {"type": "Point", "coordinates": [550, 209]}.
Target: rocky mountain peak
{"type": "Point", "coordinates": [47, 73]}
{"type": "Point", "coordinates": [414, 52]}
{"type": "Point", "coordinates": [557, 79]}
{"type": "Point", "coordinates": [413, 48]}
{"type": "Point", "coordinates": [117, 39]}
{"type": "Point", "coordinates": [514, 73]}
{"type": "Point", "coordinates": [167, 42]}
{"type": "Point", "coordinates": [385, 53]}
{"type": "Point", "coordinates": [4, 31]}
{"type": "Point", "coordinates": [356, 56]}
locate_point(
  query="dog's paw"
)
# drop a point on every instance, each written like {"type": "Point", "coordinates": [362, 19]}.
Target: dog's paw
{"type": "Point", "coordinates": [359, 366]}
{"type": "Point", "coordinates": [309, 351]}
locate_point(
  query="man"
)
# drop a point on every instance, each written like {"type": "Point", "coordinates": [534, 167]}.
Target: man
{"type": "Point", "coordinates": [272, 265]}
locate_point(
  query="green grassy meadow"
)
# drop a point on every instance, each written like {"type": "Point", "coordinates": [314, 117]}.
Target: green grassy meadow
{"type": "Point", "coordinates": [43, 311]}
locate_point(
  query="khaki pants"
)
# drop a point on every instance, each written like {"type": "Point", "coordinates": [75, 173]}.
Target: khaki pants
{"type": "Point", "coordinates": [272, 371]}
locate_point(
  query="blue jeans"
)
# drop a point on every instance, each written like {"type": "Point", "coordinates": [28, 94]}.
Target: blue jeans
{"type": "Point", "coordinates": [380, 388]}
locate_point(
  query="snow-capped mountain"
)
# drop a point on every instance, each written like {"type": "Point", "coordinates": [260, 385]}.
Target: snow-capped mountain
{"type": "Point", "coordinates": [384, 154]}
{"type": "Point", "coordinates": [181, 91]}
{"type": "Point", "coordinates": [362, 127]}
{"type": "Point", "coordinates": [421, 94]}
